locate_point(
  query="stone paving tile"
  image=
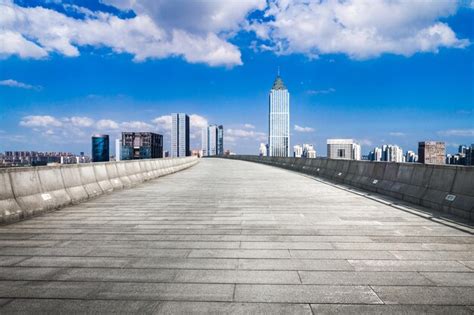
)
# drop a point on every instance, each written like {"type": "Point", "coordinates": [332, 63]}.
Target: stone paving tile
{"type": "Point", "coordinates": [71, 306]}
{"type": "Point", "coordinates": [294, 264]}
{"type": "Point", "coordinates": [342, 254]}
{"type": "Point", "coordinates": [232, 308]}
{"type": "Point", "coordinates": [451, 278]}
{"type": "Point", "coordinates": [46, 261]}
{"type": "Point", "coordinates": [388, 309]}
{"type": "Point", "coordinates": [425, 295]}
{"type": "Point", "coordinates": [305, 294]}
{"type": "Point", "coordinates": [235, 242]}
{"type": "Point", "coordinates": [238, 276]}
{"type": "Point", "coordinates": [363, 278]}
{"type": "Point", "coordinates": [407, 265]}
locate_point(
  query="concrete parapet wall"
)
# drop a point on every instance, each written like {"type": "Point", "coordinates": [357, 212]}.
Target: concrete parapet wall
{"type": "Point", "coordinates": [444, 188]}
{"type": "Point", "coordinates": [28, 191]}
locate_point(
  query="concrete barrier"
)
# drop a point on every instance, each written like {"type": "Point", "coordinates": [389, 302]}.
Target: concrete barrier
{"type": "Point", "coordinates": [444, 188]}
{"type": "Point", "coordinates": [28, 191]}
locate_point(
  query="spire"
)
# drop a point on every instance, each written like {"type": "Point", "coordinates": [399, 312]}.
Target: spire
{"type": "Point", "coordinates": [278, 83]}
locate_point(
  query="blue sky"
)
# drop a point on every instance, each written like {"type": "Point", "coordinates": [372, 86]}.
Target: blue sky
{"type": "Point", "coordinates": [72, 68]}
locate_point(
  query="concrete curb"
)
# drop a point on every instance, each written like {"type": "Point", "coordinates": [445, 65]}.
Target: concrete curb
{"type": "Point", "coordinates": [29, 191]}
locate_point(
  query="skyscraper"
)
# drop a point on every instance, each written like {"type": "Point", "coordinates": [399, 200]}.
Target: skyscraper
{"type": "Point", "coordinates": [180, 135]}
{"type": "Point", "coordinates": [100, 148]}
{"type": "Point", "coordinates": [279, 120]}
{"type": "Point", "coordinates": [213, 140]}
{"type": "Point", "coordinates": [220, 140]}
{"type": "Point", "coordinates": [431, 152]}
{"type": "Point", "coordinates": [343, 149]}
{"type": "Point", "coordinates": [141, 145]}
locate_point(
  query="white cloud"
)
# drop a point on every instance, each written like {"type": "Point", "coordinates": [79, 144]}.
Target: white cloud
{"type": "Point", "coordinates": [40, 121]}
{"type": "Point", "coordinates": [35, 32]}
{"type": "Point", "coordinates": [17, 84]}
{"type": "Point", "coordinates": [397, 134]}
{"type": "Point", "coordinates": [234, 134]}
{"type": "Point", "coordinates": [367, 142]}
{"type": "Point", "coordinates": [249, 126]}
{"type": "Point", "coordinates": [107, 124]}
{"type": "Point", "coordinates": [303, 129]}
{"type": "Point", "coordinates": [457, 132]}
{"type": "Point", "coordinates": [197, 121]}
{"type": "Point", "coordinates": [136, 126]}
{"type": "Point", "coordinates": [360, 29]}
{"type": "Point", "coordinates": [81, 121]}
{"type": "Point", "coordinates": [316, 92]}
{"type": "Point", "coordinates": [163, 122]}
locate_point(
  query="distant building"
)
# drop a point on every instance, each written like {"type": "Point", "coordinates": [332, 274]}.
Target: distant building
{"type": "Point", "coordinates": [279, 120]}
{"type": "Point", "coordinates": [220, 140]}
{"type": "Point", "coordinates": [180, 135]}
{"type": "Point", "coordinates": [388, 153]}
{"type": "Point", "coordinates": [470, 155]}
{"type": "Point", "coordinates": [100, 148]}
{"type": "Point", "coordinates": [118, 149]}
{"type": "Point", "coordinates": [213, 140]}
{"type": "Point", "coordinates": [141, 145]}
{"type": "Point", "coordinates": [196, 152]}
{"type": "Point", "coordinates": [297, 151]}
{"type": "Point", "coordinates": [343, 149]}
{"type": "Point", "coordinates": [431, 152]}
{"type": "Point", "coordinates": [308, 151]}
{"type": "Point", "coordinates": [411, 157]}
{"type": "Point", "coordinates": [263, 150]}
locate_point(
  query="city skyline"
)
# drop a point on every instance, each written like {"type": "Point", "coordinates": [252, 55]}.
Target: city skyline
{"type": "Point", "coordinates": [56, 102]}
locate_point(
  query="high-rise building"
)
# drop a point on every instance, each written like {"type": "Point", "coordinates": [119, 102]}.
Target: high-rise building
{"type": "Point", "coordinates": [213, 140]}
{"type": "Point", "coordinates": [431, 152]}
{"type": "Point", "coordinates": [180, 135]}
{"type": "Point", "coordinates": [343, 149]}
{"type": "Point", "coordinates": [141, 145]}
{"type": "Point", "coordinates": [279, 120]}
{"type": "Point", "coordinates": [297, 151]}
{"type": "Point", "coordinates": [100, 148]}
{"type": "Point", "coordinates": [118, 149]}
{"type": "Point", "coordinates": [220, 140]}
{"type": "Point", "coordinates": [262, 151]}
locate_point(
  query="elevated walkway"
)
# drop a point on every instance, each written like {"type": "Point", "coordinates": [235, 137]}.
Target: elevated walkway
{"type": "Point", "coordinates": [228, 236]}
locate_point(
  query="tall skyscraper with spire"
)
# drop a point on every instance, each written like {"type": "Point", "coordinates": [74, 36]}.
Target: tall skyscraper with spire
{"type": "Point", "coordinates": [279, 119]}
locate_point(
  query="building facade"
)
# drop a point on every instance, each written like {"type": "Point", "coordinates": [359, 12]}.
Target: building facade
{"type": "Point", "coordinates": [100, 148]}
{"type": "Point", "coordinates": [141, 145]}
{"type": "Point", "coordinates": [180, 135]}
{"type": "Point", "coordinates": [279, 120]}
{"type": "Point", "coordinates": [118, 149]}
{"type": "Point", "coordinates": [431, 152]}
{"type": "Point", "coordinates": [213, 140]}
{"type": "Point", "coordinates": [343, 149]}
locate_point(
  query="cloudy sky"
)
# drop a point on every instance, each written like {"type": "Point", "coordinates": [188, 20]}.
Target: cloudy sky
{"type": "Point", "coordinates": [381, 72]}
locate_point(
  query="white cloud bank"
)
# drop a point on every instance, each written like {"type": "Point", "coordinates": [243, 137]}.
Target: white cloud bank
{"type": "Point", "coordinates": [457, 133]}
{"type": "Point", "coordinates": [200, 31]}
{"type": "Point", "coordinates": [303, 129]}
{"type": "Point", "coordinates": [17, 84]}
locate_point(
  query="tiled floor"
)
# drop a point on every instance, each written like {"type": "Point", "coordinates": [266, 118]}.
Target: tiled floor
{"type": "Point", "coordinates": [228, 236]}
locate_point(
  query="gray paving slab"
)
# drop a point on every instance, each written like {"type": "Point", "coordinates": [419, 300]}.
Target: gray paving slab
{"type": "Point", "coordinates": [425, 295]}
{"type": "Point", "coordinates": [228, 237]}
{"type": "Point", "coordinates": [388, 309]}
{"type": "Point", "coordinates": [305, 294]}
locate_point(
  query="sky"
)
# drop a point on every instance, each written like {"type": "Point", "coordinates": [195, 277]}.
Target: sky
{"type": "Point", "coordinates": [380, 72]}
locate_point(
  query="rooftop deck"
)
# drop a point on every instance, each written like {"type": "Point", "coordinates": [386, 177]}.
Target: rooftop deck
{"type": "Point", "coordinates": [230, 236]}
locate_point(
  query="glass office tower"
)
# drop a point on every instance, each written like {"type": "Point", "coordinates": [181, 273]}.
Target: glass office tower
{"type": "Point", "coordinates": [180, 135]}
{"type": "Point", "coordinates": [100, 148]}
{"type": "Point", "coordinates": [279, 120]}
